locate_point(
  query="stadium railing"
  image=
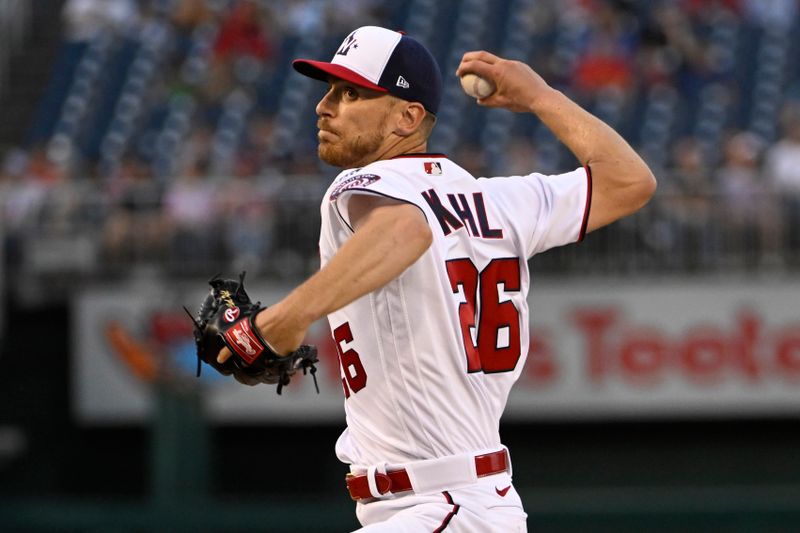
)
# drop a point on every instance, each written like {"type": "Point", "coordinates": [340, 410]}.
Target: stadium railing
{"type": "Point", "coordinates": [75, 229]}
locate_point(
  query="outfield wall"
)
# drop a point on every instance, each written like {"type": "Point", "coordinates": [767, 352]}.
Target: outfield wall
{"type": "Point", "coordinates": [600, 349]}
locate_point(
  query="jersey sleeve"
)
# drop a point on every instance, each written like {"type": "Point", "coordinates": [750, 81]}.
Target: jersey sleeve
{"type": "Point", "coordinates": [548, 210]}
{"type": "Point", "coordinates": [382, 182]}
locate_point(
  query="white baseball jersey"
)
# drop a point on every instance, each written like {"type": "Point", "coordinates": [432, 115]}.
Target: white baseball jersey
{"type": "Point", "coordinates": [429, 359]}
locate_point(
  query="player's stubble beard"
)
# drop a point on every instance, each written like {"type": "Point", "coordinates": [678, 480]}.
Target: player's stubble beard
{"type": "Point", "coordinates": [352, 151]}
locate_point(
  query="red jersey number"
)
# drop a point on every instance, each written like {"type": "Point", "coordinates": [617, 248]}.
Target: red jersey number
{"type": "Point", "coordinates": [496, 344]}
{"type": "Point", "coordinates": [355, 377]}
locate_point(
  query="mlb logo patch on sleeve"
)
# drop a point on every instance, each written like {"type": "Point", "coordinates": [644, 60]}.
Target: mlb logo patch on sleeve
{"type": "Point", "coordinates": [434, 168]}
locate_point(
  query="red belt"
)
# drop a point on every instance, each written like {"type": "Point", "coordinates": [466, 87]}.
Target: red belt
{"type": "Point", "coordinates": [398, 481]}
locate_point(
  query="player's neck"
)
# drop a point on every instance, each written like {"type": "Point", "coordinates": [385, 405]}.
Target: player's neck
{"type": "Point", "coordinates": [404, 145]}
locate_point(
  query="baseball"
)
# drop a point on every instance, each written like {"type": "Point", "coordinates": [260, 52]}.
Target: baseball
{"type": "Point", "coordinates": [477, 87]}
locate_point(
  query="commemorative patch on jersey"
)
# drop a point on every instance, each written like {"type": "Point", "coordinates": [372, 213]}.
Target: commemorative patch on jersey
{"type": "Point", "coordinates": [434, 168]}
{"type": "Point", "coordinates": [353, 182]}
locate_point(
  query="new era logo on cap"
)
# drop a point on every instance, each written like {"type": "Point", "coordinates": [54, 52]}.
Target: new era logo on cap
{"type": "Point", "coordinates": [382, 60]}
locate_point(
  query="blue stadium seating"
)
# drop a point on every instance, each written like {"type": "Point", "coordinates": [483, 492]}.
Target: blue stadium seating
{"type": "Point", "coordinates": [104, 98]}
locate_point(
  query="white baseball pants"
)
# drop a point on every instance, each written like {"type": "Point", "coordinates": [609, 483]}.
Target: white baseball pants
{"type": "Point", "coordinates": [489, 505]}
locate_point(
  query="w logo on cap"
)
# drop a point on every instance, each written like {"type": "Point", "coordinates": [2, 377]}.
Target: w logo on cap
{"type": "Point", "coordinates": [382, 60]}
{"type": "Point", "coordinates": [348, 43]}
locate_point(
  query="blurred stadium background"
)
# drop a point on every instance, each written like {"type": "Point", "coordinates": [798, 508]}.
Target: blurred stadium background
{"type": "Point", "coordinates": [147, 145]}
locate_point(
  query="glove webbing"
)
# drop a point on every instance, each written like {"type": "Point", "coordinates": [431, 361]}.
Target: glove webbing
{"type": "Point", "coordinates": [198, 326]}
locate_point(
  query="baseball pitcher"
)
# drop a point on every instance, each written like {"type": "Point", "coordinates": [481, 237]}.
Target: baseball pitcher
{"type": "Point", "coordinates": [424, 278]}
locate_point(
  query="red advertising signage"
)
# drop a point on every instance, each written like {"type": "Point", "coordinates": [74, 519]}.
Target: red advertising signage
{"type": "Point", "coordinates": [598, 348]}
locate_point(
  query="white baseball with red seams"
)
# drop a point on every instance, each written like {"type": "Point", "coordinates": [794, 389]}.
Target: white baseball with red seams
{"type": "Point", "coordinates": [476, 86]}
{"type": "Point", "coordinates": [428, 361]}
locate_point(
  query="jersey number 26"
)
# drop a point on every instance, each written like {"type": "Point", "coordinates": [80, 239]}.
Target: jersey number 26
{"type": "Point", "coordinates": [496, 345]}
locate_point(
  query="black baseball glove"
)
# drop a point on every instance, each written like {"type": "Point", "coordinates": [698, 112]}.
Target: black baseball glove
{"type": "Point", "coordinates": [226, 318]}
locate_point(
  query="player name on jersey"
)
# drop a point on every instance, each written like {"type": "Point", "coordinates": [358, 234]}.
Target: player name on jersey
{"type": "Point", "coordinates": [462, 214]}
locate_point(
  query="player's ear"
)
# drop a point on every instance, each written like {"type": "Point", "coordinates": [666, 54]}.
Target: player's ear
{"type": "Point", "coordinates": [411, 115]}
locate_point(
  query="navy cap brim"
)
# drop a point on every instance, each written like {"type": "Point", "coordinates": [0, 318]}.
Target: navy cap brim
{"type": "Point", "coordinates": [321, 70]}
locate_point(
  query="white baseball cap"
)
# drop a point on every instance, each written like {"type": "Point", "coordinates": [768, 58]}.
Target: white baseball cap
{"type": "Point", "coordinates": [382, 60]}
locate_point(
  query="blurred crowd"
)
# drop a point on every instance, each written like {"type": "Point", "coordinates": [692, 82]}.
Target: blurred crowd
{"type": "Point", "coordinates": [255, 206]}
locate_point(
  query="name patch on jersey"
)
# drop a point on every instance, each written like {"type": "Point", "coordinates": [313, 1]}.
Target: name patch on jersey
{"type": "Point", "coordinates": [353, 182]}
{"type": "Point", "coordinates": [462, 214]}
